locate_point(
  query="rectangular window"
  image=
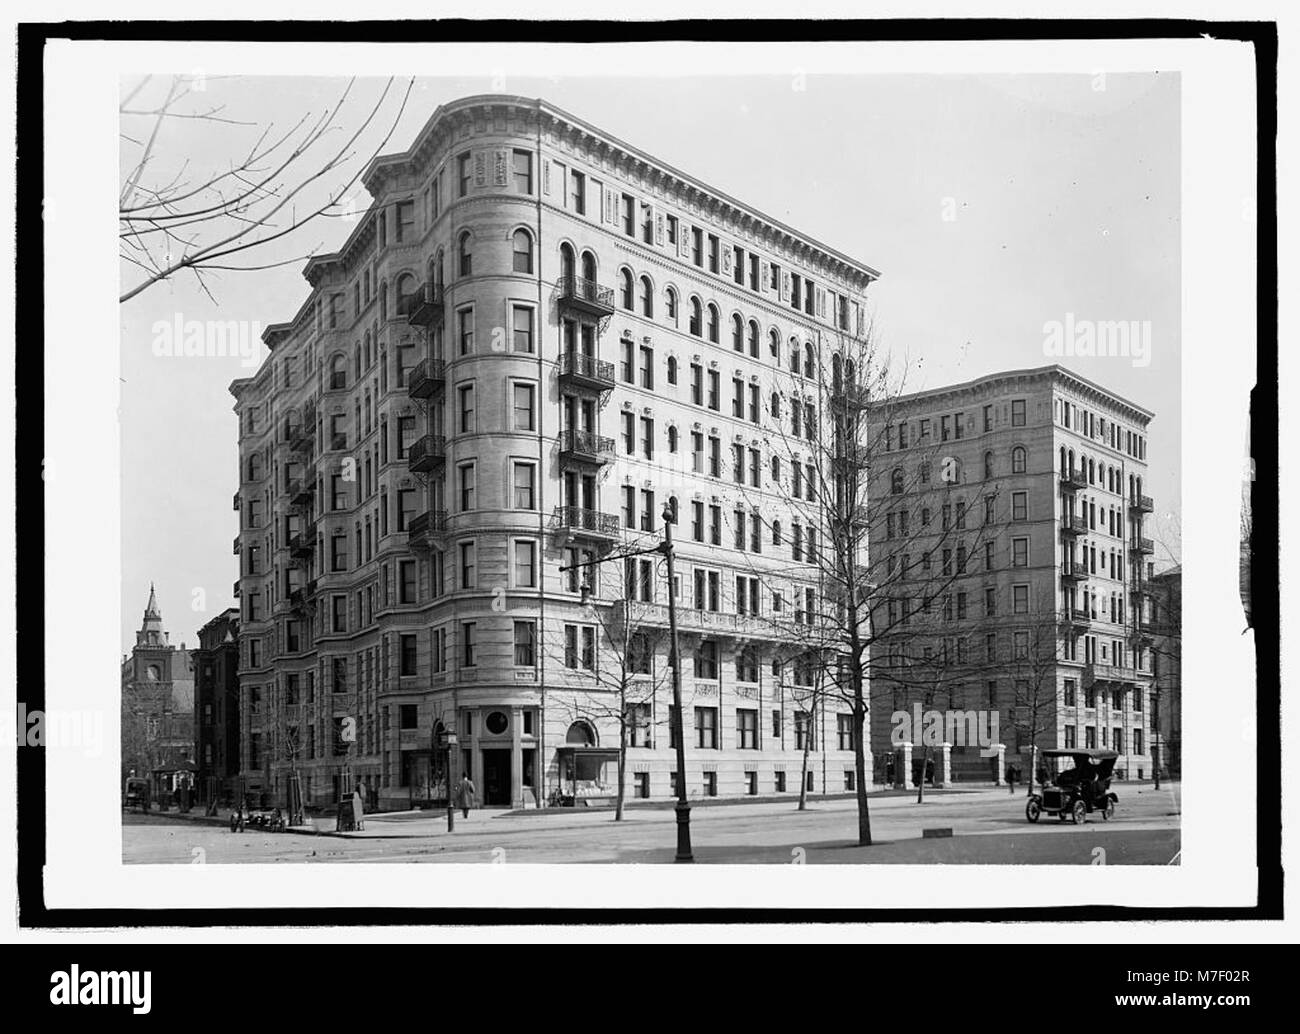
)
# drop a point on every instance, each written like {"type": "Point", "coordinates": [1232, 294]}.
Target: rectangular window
{"type": "Point", "coordinates": [525, 476]}
{"type": "Point", "coordinates": [1017, 412]}
{"type": "Point", "coordinates": [406, 655]}
{"type": "Point", "coordinates": [467, 484]}
{"type": "Point", "coordinates": [746, 729]}
{"type": "Point", "coordinates": [406, 592]}
{"type": "Point", "coordinates": [463, 173]}
{"type": "Point", "coordinates": [1019, 552]}
{"type": "Point", "coordinates": [706, 727]}
{"type": "Point", "coordinates": [525, 644]}
{"type": "Point", "coordinates": [1019, 506]}
{"type": "Point", "coordinates": [468, 644]}
{"type": "Point", "coordinates": [465, 329]}
{"type": "Point", "coordinates": [522, 327]}
{"type": "Point", "coordinates": [523, 172]}
{"type": "Point", "coordinates": [467, 565]}
{"type": "Point", "coordinates": [525, 565]}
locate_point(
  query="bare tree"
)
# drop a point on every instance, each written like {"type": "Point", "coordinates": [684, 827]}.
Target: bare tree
{"type": "Point", "coordinates": [841, 484]}
{"type": "Point", "coordinates": [1036, 643]}
{"type": "Point", "coordinates": [613, 678]}
{"type": "Point", "coordinates": [172, 218]}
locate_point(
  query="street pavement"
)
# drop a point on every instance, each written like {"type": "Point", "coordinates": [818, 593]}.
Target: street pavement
{"type": "Point", "coordinates": [988, 826]}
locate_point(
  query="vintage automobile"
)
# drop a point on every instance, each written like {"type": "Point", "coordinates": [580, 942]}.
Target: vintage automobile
{"type": "Point", "coordinates": [1078, 790]}
{"type": "Point", "coordinates": [136, 794]}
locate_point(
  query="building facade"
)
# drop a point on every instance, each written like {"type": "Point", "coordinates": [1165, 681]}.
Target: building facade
{"type": "Point", "coordinates": [157, 705]}
{"type": "Point", "coordinates": [216, 707]}
{"type": "Point", "coordinates": [534, 339]}
{"type": "Point", "coordinates": [1014, 548]}
{"type": "Point", "coordinates": [1166, 592]}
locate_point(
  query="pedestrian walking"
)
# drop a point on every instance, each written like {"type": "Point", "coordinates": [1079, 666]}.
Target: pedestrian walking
{"type": "Point", "coordinates": [358, 811]}
{"type": "Point", "coordinates": [465, 794]}
{"type": "Point", "coordinates": [1012, 773]}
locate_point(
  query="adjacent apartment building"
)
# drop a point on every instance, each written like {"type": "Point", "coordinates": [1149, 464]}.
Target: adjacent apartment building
{"type": "Point", "coordinates": [1012, 540]}
{"type": "Point", "coordinates": [216, 707]}
{"type": "Point", "coordinates": [536, 338]}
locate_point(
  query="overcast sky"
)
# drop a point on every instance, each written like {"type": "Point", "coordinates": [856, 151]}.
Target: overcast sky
{"type": "Point", "coordinates": [1065, 191]}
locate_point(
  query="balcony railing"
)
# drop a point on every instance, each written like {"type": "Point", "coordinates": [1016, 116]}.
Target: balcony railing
{"type": "Point", "coordinates": [1140, 545]}
{"type": "Point", "coordinates": [849, 396]}
{"type": "Point", "coordinates": [301, 493]}
{"type": "Point", "coordinates": [1108, 673]}
{"type": "Point", "coordinates": [1074, 479]}
{"type": "Point", "coordinates": [1073, 572]}
{"type": "Point", "coordinates": [424, 307]}
{"type": "Point", "coordinates": [1072, 524]}
{"type": "Point", "coordinates": [1079, 616]}
{"type": "Point", "coordinates": [338, 441]}
{"type": "Point", "coordinates": [427, 453]}
{"type": "Point", "coordinates": [302, 545]}
{"type": "Point", "coordinates": [235, 591]}
{"type": "Point", "coordinates": [236, 502]}
{"type": "Point", "coordinates": [586, 371]}
{"type": "Point", "coordinates": [697, 622]}
{"type": "Point", "coordinates": [586, 296]}
{"type": "Point", "coordinates": [585, 446]}
{"type": "Point", "coordinates": [426, 378]}
{"type": "Point", "coordinates": [590, 523]}
{"type": "Point", "coordinates": [425, 528]}
{"type": "Point", "coordinates": [304, 435]}
{"type": "Point", "coordinates": [297, 599]}
{"type": "Point", "coordinates": [1141, 503]}
{"type": "Point", "coordinates": [236, 550]}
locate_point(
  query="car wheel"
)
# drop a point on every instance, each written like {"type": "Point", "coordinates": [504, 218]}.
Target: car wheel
{"type": "Point", "coordinates": [1108, 812]}
{"type": "Point", "coordinates": [1032, 810]}
{"type": "Point", "coordinates": [1079, 813]}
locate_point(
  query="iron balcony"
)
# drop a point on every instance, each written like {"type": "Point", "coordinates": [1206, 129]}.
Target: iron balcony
{"type": "Point", "coordinates": [236, 502]}
{"type": "Point", "coordinates": [301, 493]}
{"type": "Point", "coordinates": [424, 307]}
{"type": "Point", "coordinates": [586, 447]}
{"type": "Point", "coordinates": [1080, 617]}
{"type": "Point", "coordinates": [586, 296]}
{"type": "Point", "coordinates": [425, 528]}
{"type": "Point", "coordinates": [586, 371]}
{"type": "Point", "coordinates": [584, 523]}
{"type": "Point", "coordinates": [302, 546]}
{"type": "Point", "coordinates": [1071, 524]}
{"type": "Point", "coordinates": [1073, 480]}
{"type": "Point", "coordinates": [1141, 503]}
{"type": "Point", "coordinates": [426, 378]}
{"type": "Point", "coordinates": [1072, 573]}
{"type": "Point", "coordinates": [427, 453]}
{"type": "Point", "coordinates": [235, 591]}
{"type": "Point", "coordinates": [691, 621]}
{"type": "Point", "coordinates": [1140, 545]}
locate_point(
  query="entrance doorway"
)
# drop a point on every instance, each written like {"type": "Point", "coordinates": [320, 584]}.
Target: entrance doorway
{"type": "Point", "coordinates": [496, 777]}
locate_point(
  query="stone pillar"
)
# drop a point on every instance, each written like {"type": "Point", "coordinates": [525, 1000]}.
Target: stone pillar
{"type": "Point", "coordinates": [516, 759]}
{"type": "Point", "coordinates": [902, 766]}
{"type": "Point", "coordinates": [1001, 767]}
{"type": "Point", "coordinates": [943, 765]}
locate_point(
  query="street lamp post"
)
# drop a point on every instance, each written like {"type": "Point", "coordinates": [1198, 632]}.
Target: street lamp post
{"type": "Point", "coordinates": [1155, 741]}
{"type": "Point", "coordinates": [446, 778]}
{"type": "Point", "coordinates": [675, 659]}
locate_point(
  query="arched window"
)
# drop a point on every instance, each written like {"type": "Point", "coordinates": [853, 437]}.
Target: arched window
{"type": "Point", "coordinates": [589, 267]}
{"type": "Point", "coordinates": [383, 300]}
{"type": "Point", "coordinates": [837, 375]}
{"type": "Point", "coordinates": [697, 318]}
{"type": "Point", "coordinates": [714, 319]}
{"type": "Point", "coordinates": [672, 439]}
{"type": "Point", "coordinates": [1018, 460]}
{"type": "Point", "coordinates": [753, 338]}
{"type": "Point", "coordinates": [670, 304]}
{"type": "Point", "coordinates": [776, 533]}
{"type": "Point", "coordinates": [672, 508]}
{"type": "Point", "coordinates": [794, 357]}
{"type": "Point", "coordinates": [1092, 472]}
{"type": "Point", "coordinates": [367, 351]}
{"type": "Point", "coordinates": [776, 469]}
{"type": "Point", "coordinates": [672, 369]}
{"type": "Point", "coordinates": [338, 373]}
{"type": "Point", "coordinates": [849, 372]}
{"type": "Point", "coordinates": [436, 269]}
{"type": "Point", "coordinates": [774, 343]}
{"type": "Point", "coordinates": [988, 465]}
{"type": "Point", "coordinates": [581, 734]}
{"type": "Point", "coordinates": [625, 288]}
{"type": "Point", "coordinates": [523, 251]}
{"type": "Point", "coordinates": [737, 333]}
{"type": "Point", "coordinates": [776, 405]}
{"type": "Point", "coordinates": [808, 360]}
{"type": "Point", "coordinates": [568, 265]}
{"type": "Point", "coordinates": [647, 298]}
{"type": "Point", "coordinates": [356, 361]}
{"type": "Point", "coordinates": [896, 481]}
{"type": "Point", "coordinates": [1064, 468]}
{"type": "Point", "coordinates": [466, 257]}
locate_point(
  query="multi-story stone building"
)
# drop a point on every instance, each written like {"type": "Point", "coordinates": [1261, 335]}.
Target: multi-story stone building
{"type": "Point", "coordinates": [1166, 598]}
{"type": "Point", "coordinates": [534, 339]}
{"type": "Point", "coordinates": [1015, 553]}
{"type": "Point", "coordinates": [157, 706]}
{"type": "Point", "coordinates": [216, 706]}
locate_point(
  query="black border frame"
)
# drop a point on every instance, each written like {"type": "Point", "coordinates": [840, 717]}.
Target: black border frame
{"type": "Point", "coordinates": [30, 514]}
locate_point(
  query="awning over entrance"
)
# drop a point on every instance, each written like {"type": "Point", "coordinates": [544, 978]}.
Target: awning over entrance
{"type": "Point", "coordinates": [596, 754]}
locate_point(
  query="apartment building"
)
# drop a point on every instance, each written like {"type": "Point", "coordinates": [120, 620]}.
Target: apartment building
{"type": "Point", "coordinates": [215, 664]}
{"type": "Point", "coordinates": [534, 340]}
{"type": "Point", "coordinates": [1013, 544]}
